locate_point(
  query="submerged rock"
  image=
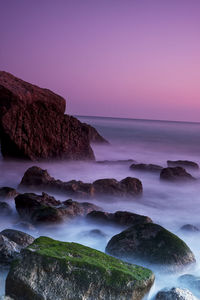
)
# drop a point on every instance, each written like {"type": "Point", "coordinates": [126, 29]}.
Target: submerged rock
{"type": "Point", "coordinates": [189, 228]}
{"type": "Point", "coordinates": [36, 178]}
{"type": "Point", "coordinates": [123, 218]}
{"type": "Point", "coordinates": [176, 174]}
{"type": "Point", "coordinates": [45, 208]}
{"type": "Point", "coordinates": [191, 282]}
{"type": "Point", "coordinates": [183, 163]}
{"type": "Point", "coordinates": [151, 243]}
{"type": "Point", "coordinates": [146, 167]}
{"type": "Point", "coordinates": [5, 209]}
{"type": "Point", "coordinates": [7, 193]}
{"type": "Point", "coordinates": [11, 242]}
{"type": "Point", "coordinates": [33, 124]}
{"type": "Point", "coordinates": [50, 269]}
{"type": "Point", "coordinates": [175, 294]}
{"type": "Point", "coordinates": [115, 162]}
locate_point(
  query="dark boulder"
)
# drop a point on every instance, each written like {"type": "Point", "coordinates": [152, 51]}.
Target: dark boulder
{"type": "Point", "coordinates": [33, 124]}
{"type": "Point", "coordinates": [176, 174]}
{"type": "Point", "coordinates": [93, 134]}
{"type": "Point", "coordinates": [175, 294]}
{"type": "Point", "coordinates": [50, 269]}
{"type": "Point", "coordinates": [20, 238]}
{"type": "Point", "coordinates": [5, 209]}
{"type": "Point", "coordinates": [122, 218]}
{"type": "Point", "coordinates": [151, 243]}
{"type": "Point", "coordinates": [37, 179]}
{"type": "Point", "coordinates": [146, 168]}
{"type": "Point", "coordinates": [7, 193]}
{"type": "Point", "coordinates": [183, 163]}
{"type": "Point", "coordinates": [46, 209]}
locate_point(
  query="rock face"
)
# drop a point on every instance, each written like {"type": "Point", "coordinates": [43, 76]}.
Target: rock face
{"type": "Point", "coordinates": [146, 167]}
{"type": "Point", "coordinates": [183, 163]}
{"type": "Point", "coordinates": [123, 218]}
{"type": "Point", "coordinates": [11, 242]}
{"type": "Point", "coordinates": [46, 209]}
{"type": "Point", "coordinates": [151, 243]}
{"type": "Point", "coordinates": [33, 124]}
{"type": "Point", "coordinates": [175, 294]}
{"type": "Point", "coordinates": [37, 179]}
{"type": "Point", "coordinates": [176, 174]}
{"type": "Point", "coordinates": [52, 270]}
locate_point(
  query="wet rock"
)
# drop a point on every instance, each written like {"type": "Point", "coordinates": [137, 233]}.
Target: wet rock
{"type": "Point", "coordinates": [123, 218]}
{"type": "Point", "coordinates": [37, 179]}
{"type": "Point", "coordinates": [128, 187]}
{"type": "Point", "coordinates": [9, 250]}
{"type": "Point", "coordinates": [5, 209]}
{"type": "Point", "coordinates": [191, 282]}
{"type": "Point", "coordinates": [189, 228]}
{"type": "Point", "coordinates": [146, 167]}
{"type": "Point", "coordinates": [20, 238]}
{"type": "Point", "coordinates": [33, 124]}
{"type": "Point", "coordinates": [45, 208]}
{"type": "Point", "coordinates": [176, 174]}
{"type": "Point", "coordinates": [175, 294]}
{"type": "Point", "coordinates": [50, 269]}
{"type": "Point", "coordinates": [7, 193]}
{"type": "Point", "coordinates": [183, 163]}
{"type": "Point", "coordinates": [94, 136]}
{"type": "Point", "coordinates": [151, 243]}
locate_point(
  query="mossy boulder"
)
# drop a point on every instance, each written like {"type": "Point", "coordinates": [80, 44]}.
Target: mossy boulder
{"type": "Point", "coordinates": [150, 243]}
{"type": "Point", "coordinates": [50, 269]}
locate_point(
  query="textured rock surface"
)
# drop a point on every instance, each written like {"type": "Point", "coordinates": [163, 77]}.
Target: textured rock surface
{"type": "Point", "coordinates": [176, 174]}
{"type": "Point", "coordinates": [175, 294]}
{"type": "Point", "coordinates": [183, 163]}
{"type": "Point", "coordinates": [151, 243]}
{"type": "Point", "coordinates": [146, 167]}
{"type": "Point", "coordinates": [37, 179]}
{"type": "Point", "coordinates": [21, 238]}
{"type": "Point", "coordinates": [123, 218]}
{"type": "Point", "coordinates": [45, 208]}
{"type": "Point", "coordinates": [57, 270]}
{"type": "Point", "coordinates": [33, 125]}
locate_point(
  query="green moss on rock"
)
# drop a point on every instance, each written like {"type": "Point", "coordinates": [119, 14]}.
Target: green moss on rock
{"type": "Point", "coordinates": [79, 270]}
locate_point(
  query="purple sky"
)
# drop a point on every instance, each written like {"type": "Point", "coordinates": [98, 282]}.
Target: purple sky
{"type": "Point", "coordinates": [126, 58]}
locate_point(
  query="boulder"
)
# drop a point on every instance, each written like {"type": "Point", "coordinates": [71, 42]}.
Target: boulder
{"type": "Point", "coordinates": [176, 174]}
{"type": "Point", "coordinates": [7, 193]}
{"type": "Point", "coordinates": [5, 209]}
{"type": "Point", "coordinates": [36, 178]}
{"type": "Point", "coordinates": [151, 243]}
{"type": "Point", "coordinates": [128, 187]}
{"type": "Point", "coordinates": [94, 136]}
{"type": "Point", "coordinates": [45, 208]}
{"type": "Point", "coordinates": [146, 168]}
{"type": "Point", "coordinates": [175, 294]}
{"type": "Point", "coordinates": [183, 163]}
{"type": "Point", "coordinates": [33, 124]}
{"type": "Point", "coordinates": [123, 218]}
{"type": "Point", "coordinates": [20, 238]}
{"type": "Point", "coordinates": [50, 269]}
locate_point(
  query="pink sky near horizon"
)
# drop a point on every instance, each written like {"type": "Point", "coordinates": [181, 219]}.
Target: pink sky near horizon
{"type": "Point", "coordinates": [119, 58]}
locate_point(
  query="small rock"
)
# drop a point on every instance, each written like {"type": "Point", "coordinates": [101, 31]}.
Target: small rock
{"type": "Point", "coordinates": [9, 250]}
{"type": "Point", "coordinates": [183, 163]}
{"type": "Point", "coordinates": [190, 228]}
{"type": "Point", "coordinates": [146, 167]}
{"type": "Point", "coordinates": [176, 174]}
{"type": "Point", "coordinates": [20, 238]}
{"type": "Point", "coordinates": [175, 294]}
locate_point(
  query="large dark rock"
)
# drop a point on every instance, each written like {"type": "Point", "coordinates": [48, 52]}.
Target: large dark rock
{"type": "Point", "coordinates": [146, 168]}
{"type": "Point", "coordinates": [44, 208]}
{"type": "Point", "coordinates": [33, 124]}
{"type": "Point", "coordinates": [176, 174]}
{"type": "Point", "coordinates": [50, 269]}
{"type": "Point", "coordinates": [175, 294]}
{"type": "Point", "coordinates": [183, 163]}
{"type": "Point", "coordinates": [151, 243]}
{"type": "Point", "coordinates": [37, 179]}
{"type": "Point", "coordinates": [123, 218]}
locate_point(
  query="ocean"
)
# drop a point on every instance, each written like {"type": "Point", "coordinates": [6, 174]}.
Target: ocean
{"type": "Point", "coordinates": [145, 141]}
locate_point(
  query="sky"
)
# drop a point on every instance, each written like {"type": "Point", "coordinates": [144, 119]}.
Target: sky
{"type": "Point", "coordinates": [118, 58]}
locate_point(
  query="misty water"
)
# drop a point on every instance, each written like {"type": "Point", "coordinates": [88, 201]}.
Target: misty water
{"type": "Point", "coordinates": [169, 205]}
